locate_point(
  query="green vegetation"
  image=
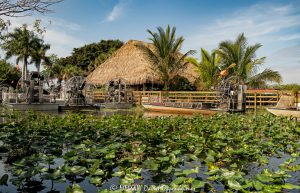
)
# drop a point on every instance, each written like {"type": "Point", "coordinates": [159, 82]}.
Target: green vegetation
{"type": "Point", "coordinates": [90, 56]}
{"type": "Point", "coordinates": [208, 69]}
{"type": "Point", "coordinates": [25, 44]}
{"type": "Point", "coordinates": [8, 74]}
{"type": "Point", "coordinates": [293, 87]}
{"type": "Point", "coordinates": [22, 8]}
{"type": "Point", "coordinates": [164, 55]}
{"type": "Point", "coordinates": [28, 46]}
{"type": "Point", "coordinates": [243, 56]}
{"type": "Point", "coordinates": [221, 153]}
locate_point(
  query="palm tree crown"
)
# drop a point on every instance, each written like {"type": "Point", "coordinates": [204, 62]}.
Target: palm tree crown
{"type": "Point", "coordinates": [208, 68]}
{"type": "Point", "coordinates": [39, 57]}
{"type": "Point", "coordinates": [164, 56]}
{"type": "Point", "coordinates": [246, 64]}
{"type": "Point", "coordinates": [25, 45]}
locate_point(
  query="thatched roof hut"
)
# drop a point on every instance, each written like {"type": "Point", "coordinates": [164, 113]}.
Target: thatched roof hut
{"type": "Point", "coordinates": [130, 64]}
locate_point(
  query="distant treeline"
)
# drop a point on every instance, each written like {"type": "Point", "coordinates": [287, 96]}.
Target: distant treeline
{"type": "Point", "coordinates": [292, 87]}
{"type": "Point", "coordinates": [83, 60]}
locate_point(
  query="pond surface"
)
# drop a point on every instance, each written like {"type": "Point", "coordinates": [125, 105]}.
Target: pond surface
{"type": "Point", "coordinates": [149, 178]}
{"type": "Point", "coordinates": [183, 137]}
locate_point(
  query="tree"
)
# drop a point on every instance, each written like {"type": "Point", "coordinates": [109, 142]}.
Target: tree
{"type": "Point", "coordinates": [246, 64]}
{"type": "Point", "coordinates": [20, 8]}
{"type": "Point", "coordinates": [89, 56]}
{"type": "Point", "coordinates": [56, 70]}
{"type": "Point", "coordinates": [24, 44]}
{"type": "Point", "coordinates": [39, 57]}
{"type": "Point", "coordinates": [164, 55]}
{"type": "Point", "coordinates": [208, 68]}
{"type": "Point", "coordinates": [8, 74]}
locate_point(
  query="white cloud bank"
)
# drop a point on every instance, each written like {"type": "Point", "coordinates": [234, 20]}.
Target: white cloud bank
{"type": "Point", "coordinates": [275, 26]}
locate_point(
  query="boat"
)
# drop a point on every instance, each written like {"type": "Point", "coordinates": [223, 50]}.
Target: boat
{"type": "Point", "coordinates": [286, 107]}
{"type": "Point", "coordinates": [287, 112]}
{"type": "Point", "coordinates": [33, 107]}
{"type": "Point", "coordinates": [30, 94]}
{"type": "Point", "coordinates": [181, 108]}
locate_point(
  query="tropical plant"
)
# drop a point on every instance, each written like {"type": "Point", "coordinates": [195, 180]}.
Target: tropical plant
{"type": "Point", "coordinates": [181, 83]}
{"type": "Point", "coordinates": [23, 44]}
{"type": "Point", "coordinates": [39, 57]}
{"type": "Point", "coordinates": [69, 71]}
{"type": "Point", "coordinates": [90, 56]}
{"type": "Point", "coordinates": [204, 154]}
{"type": "Point", "coordinates": [164, 55]}
{"type": "Point", "coordinates": [8, 74]}
{"type": "Point", "coordinates": [247, 65]}
{"type": "Point", "coordinates": [208, 68]}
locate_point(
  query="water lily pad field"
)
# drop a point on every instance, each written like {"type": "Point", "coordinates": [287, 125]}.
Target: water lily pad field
{"type": "Point", "coordinates": [85, 153]}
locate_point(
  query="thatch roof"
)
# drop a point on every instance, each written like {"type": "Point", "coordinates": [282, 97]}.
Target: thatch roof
{"type": "Point", "coordinates": [130, 64]}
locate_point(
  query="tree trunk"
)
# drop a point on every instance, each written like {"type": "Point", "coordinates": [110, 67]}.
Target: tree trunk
{"type": "Point", "coordinates": [166, 85]}
{"type": "Point", "coordinates": [23, 72]}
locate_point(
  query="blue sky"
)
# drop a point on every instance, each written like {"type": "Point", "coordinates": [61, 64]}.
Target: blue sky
{"type": "Point", "coordinates": [203, 24]}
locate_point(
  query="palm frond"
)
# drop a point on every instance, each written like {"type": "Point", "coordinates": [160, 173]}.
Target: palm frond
{"type": "Point", "coordinates": [265, 76]}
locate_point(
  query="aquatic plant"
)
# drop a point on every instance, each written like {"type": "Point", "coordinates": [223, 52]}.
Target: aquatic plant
{"type": "Point", "coordinates": [226, 152]}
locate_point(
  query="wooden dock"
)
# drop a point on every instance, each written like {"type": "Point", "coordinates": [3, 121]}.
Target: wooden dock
{"type": "Point", "coordinates": [255, 99]}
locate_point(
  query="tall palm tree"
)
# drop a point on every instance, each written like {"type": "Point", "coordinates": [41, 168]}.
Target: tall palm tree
{"type": "Point", "coordinates": [21, 43]}
{"type": "Point", "coordinates": [208, 68]}
{"type": "Point", "coordinates": [39, 57]}
{"type": "Point", "coordinates": [246, 64]}
{"type": "Point", "coordinates": [164, 55]}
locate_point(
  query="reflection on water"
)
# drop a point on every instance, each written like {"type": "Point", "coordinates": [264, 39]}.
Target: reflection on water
{"type": "Point", "coordinates": [148, 177]}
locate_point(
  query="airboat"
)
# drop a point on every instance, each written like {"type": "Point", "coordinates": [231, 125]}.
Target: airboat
{"type": "Point", "coordinates": [38, 94]}
{"type": "Point", "coordinates": [118, 96]}
{"type": "Point", "coordinates": [29, 95]}
{"type": "Point", "coordinates": [230, 98]}
{"type": "Point", "coordinates": [286, 107]}
{"type": "Point", "coordinates": [78, 95]}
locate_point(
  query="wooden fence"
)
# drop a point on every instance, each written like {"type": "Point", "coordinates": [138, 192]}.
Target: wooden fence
{"type": "Point", "coordinates": [254, 98]}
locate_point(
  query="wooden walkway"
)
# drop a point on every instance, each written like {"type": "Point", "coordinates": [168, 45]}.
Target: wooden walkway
{"type": "Point", "coordinates": [254, 98]}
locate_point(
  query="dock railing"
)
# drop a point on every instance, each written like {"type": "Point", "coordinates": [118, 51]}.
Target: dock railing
{"type": "Point", "coordinates": [255, 99]}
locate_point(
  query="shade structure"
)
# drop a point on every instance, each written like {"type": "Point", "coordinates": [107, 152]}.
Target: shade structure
{"type": "Point", "coordinates": [130, 64]}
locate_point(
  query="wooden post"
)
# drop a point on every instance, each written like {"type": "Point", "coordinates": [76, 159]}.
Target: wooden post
{"type": "Point", "coordinates": [260, 104]}
{"type": "Point", "coordinates": [140, 98]}
{"type": "Point", "coordinates": [160, 96]}
{"type": "Point", "coordinates": [255, 101]}
{"type": "Point", "coordinates": [297, 100]}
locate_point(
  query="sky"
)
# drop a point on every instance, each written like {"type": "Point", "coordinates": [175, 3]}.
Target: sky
{"type": "Point", "coordinates": [203, 24]}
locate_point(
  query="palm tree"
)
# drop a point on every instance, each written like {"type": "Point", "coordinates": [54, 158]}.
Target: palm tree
{"type": "Point", "coordinates": [39, 56]}
{"type": "Point", "coordinates": [21, 43]}
{"type": "Point", "coordinates": [164, 55]}
{"type": "Point", "coordinates": [246, 64]}
{"type": "Point", "coordinates": [208, 68]}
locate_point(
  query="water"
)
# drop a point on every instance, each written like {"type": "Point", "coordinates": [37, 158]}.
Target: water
{"type": "Point", "coordinates": [149, 178]}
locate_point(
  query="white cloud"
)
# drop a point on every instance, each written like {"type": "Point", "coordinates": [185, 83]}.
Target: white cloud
{"type": "Point", "coordinates": [61, 43]}
{"type": "Point", "coordinates": [65, 24]}
{"type": "Point", "coordinates": [289, 37]}
{"type": "Point", "coordinates": [58, 33]}
{"type": "Point", "coordinates": [259, 22]}
{"type": "Point", "coordinates": [116, 12]}
{"type": "Point", "coordinates": [271, 25]}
